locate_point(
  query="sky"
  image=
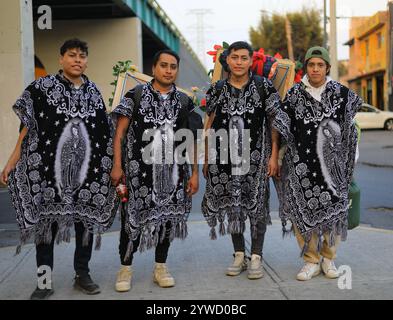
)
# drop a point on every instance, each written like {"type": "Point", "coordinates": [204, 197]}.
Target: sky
{"type": "Point", "coordinates": [230, 20]}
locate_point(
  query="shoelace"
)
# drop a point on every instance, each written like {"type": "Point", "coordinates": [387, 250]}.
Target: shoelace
{"type": "Point", "coordinates": [255, 263]}
{"type": "Point", "coordinates": [124, 275]}
{"type": "Point", "coordinates": [307, 268]}
{"type": "Point", "coordinates": [238, 261]}
{"type": "Point", "coordinates": [164, 272]}
{"type": "Point", "coordinates": [331, 266]}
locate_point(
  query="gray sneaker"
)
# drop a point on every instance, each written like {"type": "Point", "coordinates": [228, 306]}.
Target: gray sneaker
{"type": "Point", "coordinates": [239, 264]}
{"type": "Point", "coordinates": [255, 268]}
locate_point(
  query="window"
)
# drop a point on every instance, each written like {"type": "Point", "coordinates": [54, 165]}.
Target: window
{"type": "Point", "coordinates": [369, 91]}
{"type": "Point", "coordinates": [379, 39]}
{"type": "Point", "coordinates": [367, 108]}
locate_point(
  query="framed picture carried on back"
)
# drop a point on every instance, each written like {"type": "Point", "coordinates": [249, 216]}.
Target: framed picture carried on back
{"type": "Point", "coordinates": [280, 71]}
{"type": "Point", "coordinates": [128, 80]}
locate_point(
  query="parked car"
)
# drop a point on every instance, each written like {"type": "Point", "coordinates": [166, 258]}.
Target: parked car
{"type": "Point", "coordinates": [370, 117]}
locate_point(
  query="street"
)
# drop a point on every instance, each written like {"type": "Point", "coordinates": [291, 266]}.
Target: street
{"type": "Point", "coordinates": [373, 173]}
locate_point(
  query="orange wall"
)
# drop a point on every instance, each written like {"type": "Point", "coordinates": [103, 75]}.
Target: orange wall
{"type": "Point", "coordinates": [368, 32]}
{"type": "Point", "coordinates": [363, 66]}
{"type": "Point", "coordinates": [354, 68]}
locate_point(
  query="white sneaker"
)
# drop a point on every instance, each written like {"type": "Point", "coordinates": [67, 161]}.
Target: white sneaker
{"type": "Point", "coordinates": [239, 264]}
{"type": "Point", "coordinates": [255, 267]}
{"type": "Point", "coordinates": [123, 280]}
{"type": "Point", "coordinates": [308, 271]}
{"type": "Point", "coordinates": [162, 277]}
{"type": "Point", "coordinates": [329, 269]}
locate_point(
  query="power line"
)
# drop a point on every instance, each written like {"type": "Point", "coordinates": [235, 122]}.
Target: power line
{"type": "Point", "coordinates": [201, 29]}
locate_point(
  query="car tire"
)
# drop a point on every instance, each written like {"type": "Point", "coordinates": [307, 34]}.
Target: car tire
{"type": "Point", "coordinates": [389, 125]}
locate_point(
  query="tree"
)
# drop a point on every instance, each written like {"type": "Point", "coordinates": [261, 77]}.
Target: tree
{"type": "Point", "coordinates": [306, 32]}
{"type": "Point", "coordinates": [342, 68]}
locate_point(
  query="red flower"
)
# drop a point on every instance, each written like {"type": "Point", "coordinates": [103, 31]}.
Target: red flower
{"type": "Point", "coordinates": [298, 76]}
{"type": "Point", "coordinates": [203, 105]}
{"type": "Point", "coordinates": [258, 60]}
{"type": "Point", "coordinates": [278, 56]}
{"type": "Point", "coordinates": [214, 53]}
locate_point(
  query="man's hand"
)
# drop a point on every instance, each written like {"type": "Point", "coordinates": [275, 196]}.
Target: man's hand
{"type": "Point", "coordinates": [273, 168]}
{"type": "Point", "coordinates": [14, 158]}
{"type": "Point", "coordinates": [116, 175]}
{"type": "Point", "coordinates": [193, 185]}
{"type": "Point", "coordinates": [6, 172]}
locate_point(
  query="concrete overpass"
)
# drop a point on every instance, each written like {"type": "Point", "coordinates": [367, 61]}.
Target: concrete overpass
{"type": "Point", "coordinates": [114, 29]}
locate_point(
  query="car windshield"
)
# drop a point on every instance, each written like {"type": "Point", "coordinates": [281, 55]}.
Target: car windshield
{"type": "Point", "coordinates": [367, 108]}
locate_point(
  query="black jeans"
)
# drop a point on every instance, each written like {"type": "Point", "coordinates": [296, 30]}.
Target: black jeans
{"type": "Point", "coordinates": [162, 248]}
{"type": "Point", "coordinates": [82, 255]}
{"type": "Point", "coordinates": [256, 243]}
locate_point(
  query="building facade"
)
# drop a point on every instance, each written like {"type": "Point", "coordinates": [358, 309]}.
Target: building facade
{"type": "Point", "coordinates": [368, 58]}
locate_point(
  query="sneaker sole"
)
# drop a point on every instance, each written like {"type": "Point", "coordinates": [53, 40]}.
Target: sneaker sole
{"type": "Point", "coordinates": [255, 276]}
{"type": "Point", "coordinates": [122, 288]}
{"type": "Point", "coordinates": [232, 273]}
{"type": "Point", "coordinates": [169, 285]}
{"type": "Point", "coordinates": [97, 291]}
{"type": "Point", "coordinates": [235, 273]}
{"type": "Point", "coordinates": [47, 296]}
{"type": "Point", "coordinates": [330, 277]}
{"type": "Point", "coordinates": [314, 275]}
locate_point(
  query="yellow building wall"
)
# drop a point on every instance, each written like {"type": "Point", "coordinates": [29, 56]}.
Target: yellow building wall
{"type": "Point", "coordinates": [376, 58]}
{"type": "Point", "coordinates": [368, 56]}
{"type": "Point", "coordinates": [354, 65]}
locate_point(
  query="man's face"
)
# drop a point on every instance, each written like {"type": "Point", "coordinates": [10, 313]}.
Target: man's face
{"type": "Point", "coordinates": [74, 62]}
{"type": "Point", "coordinates": [317, 70]}
{"type": "Point", "coordinates": [239, 62]}
{"type": "Point", "coordinates": [166, 69]}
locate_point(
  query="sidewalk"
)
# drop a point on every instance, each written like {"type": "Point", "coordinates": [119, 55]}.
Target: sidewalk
{"type": "Point", "coordinates": [198, 265]}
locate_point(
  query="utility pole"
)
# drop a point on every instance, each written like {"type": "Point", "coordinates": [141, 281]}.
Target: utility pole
{"type": "Point", "coordinates": [333, 41]}
{"type": "Point", "coordinates": [324, 25]}
{"type": "Point", "coordinates": [288, 31]}
{"type": "Point", "coordinates": [390, 56]}
{"type": "Point", "coordinates": [200, 31]}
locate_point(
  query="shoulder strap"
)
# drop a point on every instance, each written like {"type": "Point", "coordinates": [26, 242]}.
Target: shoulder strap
{"type": "Point", "coordinates": [184, 99]}
{"type": "Point", "coordinates": [259, 82]}
{"type": "Point", "coordinates": [219, 86]}
{"type": "Point", "coordinates": [138, 94]}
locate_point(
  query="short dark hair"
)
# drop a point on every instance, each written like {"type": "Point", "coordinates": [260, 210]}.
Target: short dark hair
{"type": "Point", "coordinates": [158, 54]}
{"type": "Point", "coordinates": [72, 44]}
{"type": "Point", "coordinates": [240, 45]}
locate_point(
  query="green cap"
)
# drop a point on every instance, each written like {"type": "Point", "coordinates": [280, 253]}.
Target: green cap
{"type": "Point", "coordinates": [317, 52]}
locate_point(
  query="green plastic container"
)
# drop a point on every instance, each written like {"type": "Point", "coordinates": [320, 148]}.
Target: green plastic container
{"type": "Point", "coordinates": [354, 208]}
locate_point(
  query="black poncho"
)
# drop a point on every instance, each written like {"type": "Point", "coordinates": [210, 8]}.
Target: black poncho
{"type": "Point", "coordinates": [318, 165]}
{"type": "Point", "coordinates": [63, 174]}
